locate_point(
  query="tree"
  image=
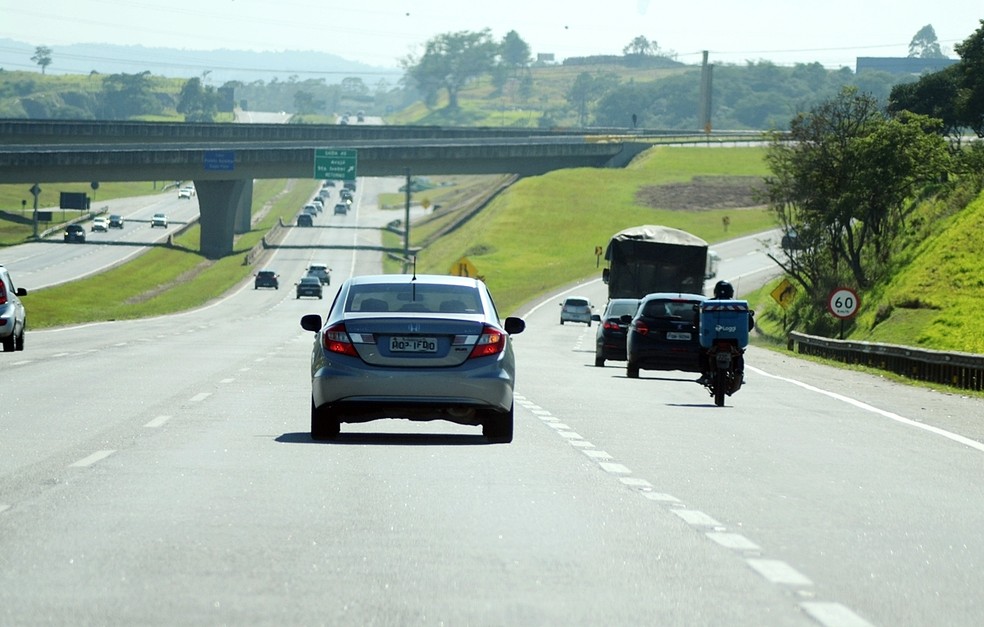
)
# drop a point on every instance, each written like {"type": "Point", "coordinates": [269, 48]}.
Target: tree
{"type": "Point", "coordinates": [586, 89]}
{"type": "Point", "coordinates": [450, 61]}
{"type": "Point", "coordinates": [42, 56]}
{"type": "Point", "coordinates": [197, 102]}
{"type": "Point", "coordinates": [641, 46]}
{"type": "Point", "coordinates": [925, 45]}
{"type": "Point", "coordinates": [935, 95]}
{"type": "Point", "coordinates": [970, 99]}
{"type": "Point", "coordinates": [514, 51]}
{"type": "Point", "coordinates": [843, 179]}
{"type": "Point", "coordinates": [128, 95]}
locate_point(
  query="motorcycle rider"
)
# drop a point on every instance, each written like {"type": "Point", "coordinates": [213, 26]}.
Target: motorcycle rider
{"type": "Point", "coordinates": [722, 291]}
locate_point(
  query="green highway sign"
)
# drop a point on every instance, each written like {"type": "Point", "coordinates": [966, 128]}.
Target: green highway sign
{"type": "Point", "coordinates": [331, 163]}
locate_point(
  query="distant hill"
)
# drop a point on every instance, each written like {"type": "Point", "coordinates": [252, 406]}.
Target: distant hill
{"type": "Point", "coordinates": [221, 65]}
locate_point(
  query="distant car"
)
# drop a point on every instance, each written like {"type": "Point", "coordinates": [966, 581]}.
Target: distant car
{"type": "Point", "coordinates": [576, 309]}
{"type": "Point", "coordinates": [186, 192]}
{"type": "Point", "coordinates": [99, 224]}
{"type": "Point", "coordinates": [159, 219]}
{"type": "Point", "coordinates": [266, 278]}
{"type": "Point", "coordinates": [309, 286]}
{"type": "Point", "coordinates": [13, 315]}
{"type": "Point", "coordinates": [310, 209]}
{"type": "Point", "coordinates": [116, 221]}
{"type": "Point", "coordinates": [305, 219]}
{"type": "Point", "coordinates": [341, 209]}
{"type": "Point", "coordinates": [318, 204]}
{"type": "Point", "coordinates": [426, 347]}
{"type": "Point", "coordinates": [321, 272]}
{"type": "Point", "coordinates": [74, 233]}
{"type": "Point", "coordinates": [345, 194]}
{"type": "Point", "coordinates": [663, 334]}
{"type": "Point", "coordinates": [610, 337]}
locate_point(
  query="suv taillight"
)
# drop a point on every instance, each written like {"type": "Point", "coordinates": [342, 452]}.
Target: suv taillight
{"type": "Point", "coordinates": [491, 342]}
{"type": "Point", "coordinates": [641, 328]}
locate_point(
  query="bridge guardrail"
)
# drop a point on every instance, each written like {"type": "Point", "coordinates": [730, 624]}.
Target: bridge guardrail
{"type": "Point", "coordinates": [961, 370]}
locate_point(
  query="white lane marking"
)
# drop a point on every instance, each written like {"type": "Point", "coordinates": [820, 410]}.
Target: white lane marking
{"type": "Point", "coordinates": [570, 435]}
{"type": "Point", "coordinates": [157, 422]}
{"type": "Point", "coordinates": [635, 482]}
{"type": "Point", "coordinates": [92, 459]}
{"type": "Point", "coordinates": [596, 454]}
{"type": "Point", "coordinates": [22, 362]}
{"type": "Point", "coordinates": [733, 541]}
{"type": "Point", "coordinates": [201, 396]}
{"type": "Point", "coordinates": [974, 444]}
{"type": "Point", "coordinates": [226, 380]}
{"type": "Point", "coordinates": [581, 444]}
{"type": "Point", "coordinates": [559, 426]}
{"type": "Point", "coordinates": [3, 507]}
{"type": "Point", "coordinates": [696, 518]}
{"type": "Point", "coordinates": [779, 572]}
{"type": "Point", "coordinates": [833, 615]}
{"type": "Point", "coordinates": [615, 469]}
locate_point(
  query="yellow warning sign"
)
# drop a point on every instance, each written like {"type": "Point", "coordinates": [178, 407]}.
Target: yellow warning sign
{"type": "Point", "coordinates": [464, 267]}
{"type": "Point", "coordinates": [784, 294]}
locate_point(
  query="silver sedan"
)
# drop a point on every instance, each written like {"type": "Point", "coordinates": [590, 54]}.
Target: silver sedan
{"type": "Point", "coordinates": [426, 347]}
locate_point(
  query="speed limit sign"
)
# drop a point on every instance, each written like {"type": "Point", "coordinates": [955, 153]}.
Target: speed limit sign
{"type": "Point", "coordinates": [843, 302]}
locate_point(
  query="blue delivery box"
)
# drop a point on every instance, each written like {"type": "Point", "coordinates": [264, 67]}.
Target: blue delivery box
{"type": "Point", "coordinates": [726, 319]}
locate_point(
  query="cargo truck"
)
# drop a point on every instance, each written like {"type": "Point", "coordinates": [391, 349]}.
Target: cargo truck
{"type": "Point", "coordinates": [651, 258]}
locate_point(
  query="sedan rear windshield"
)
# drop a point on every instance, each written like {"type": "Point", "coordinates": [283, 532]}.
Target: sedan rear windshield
{"type": "Point", "coordinates": [682, 309]}
{"type": "Point", "coordinates": [419, 298]}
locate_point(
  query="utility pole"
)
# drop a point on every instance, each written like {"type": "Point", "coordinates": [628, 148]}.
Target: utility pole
{"type": "Point", "coordinates": [705, 95]}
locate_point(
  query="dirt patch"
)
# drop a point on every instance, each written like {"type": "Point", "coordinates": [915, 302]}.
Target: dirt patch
{"type": "Point", "coordinates": [703, 193]}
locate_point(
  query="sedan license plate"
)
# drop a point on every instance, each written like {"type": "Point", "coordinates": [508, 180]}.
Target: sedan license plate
{"type": "Point", "coordinates": [677, 335]}
{"type": "Point", "coordinates": [413, 344]}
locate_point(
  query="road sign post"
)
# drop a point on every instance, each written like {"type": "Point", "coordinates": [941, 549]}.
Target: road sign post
{"type": "Point", "coordinates": [335, 164]}
{"type": "Point", "coordinates": [843, 303]}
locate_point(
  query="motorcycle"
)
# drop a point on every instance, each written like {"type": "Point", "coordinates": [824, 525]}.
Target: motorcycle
{"type": "Point", "coordinates": [724, 327]}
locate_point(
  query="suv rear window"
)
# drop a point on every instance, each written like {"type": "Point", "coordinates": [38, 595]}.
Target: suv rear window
{"type": "Point", "coordinates": [670, 309]}
{"type": "Point", "coordinates": [576, 302]}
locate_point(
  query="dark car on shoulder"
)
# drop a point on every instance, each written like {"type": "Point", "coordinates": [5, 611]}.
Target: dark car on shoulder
{"type": "Point", "coordinates": [266, 278]}
{"type": "Point", "coordinates": [663, 334]}
{"type": "Point", "coordinates": [610, 337]}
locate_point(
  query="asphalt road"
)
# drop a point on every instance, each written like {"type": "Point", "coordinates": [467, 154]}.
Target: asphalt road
{"type": "Point", "coordinates": [159, 472]}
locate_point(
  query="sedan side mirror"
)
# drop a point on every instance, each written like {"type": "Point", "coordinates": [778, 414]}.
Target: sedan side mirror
{"type": "Point", "coordinates": [513, 325]}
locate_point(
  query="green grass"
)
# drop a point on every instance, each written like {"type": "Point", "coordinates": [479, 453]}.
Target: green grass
{"type": "Point", "coordinates": [542, 233]}
{"type": "Point", "coordinates": [166, 280]}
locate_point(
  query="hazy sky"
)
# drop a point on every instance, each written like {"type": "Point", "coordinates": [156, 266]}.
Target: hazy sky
{"type": "Point", "coordinates": [380, 32]}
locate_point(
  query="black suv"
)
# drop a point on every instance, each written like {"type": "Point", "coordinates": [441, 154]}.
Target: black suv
{"type": "Point", "coordinates": [13, 317]}
{"type": "Point", "coordinates": [663, 334]}
{"type": "Point", "coordinates": [267, 278]}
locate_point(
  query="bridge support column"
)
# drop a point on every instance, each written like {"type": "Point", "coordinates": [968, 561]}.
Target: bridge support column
{"type": "Point", "coordinates": [244, 212]}
{"type": "Point", "coordinates": [218, 203]}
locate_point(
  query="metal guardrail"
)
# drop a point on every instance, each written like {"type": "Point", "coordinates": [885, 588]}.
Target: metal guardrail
{"type": "Point", "coordinates": [961, 370]}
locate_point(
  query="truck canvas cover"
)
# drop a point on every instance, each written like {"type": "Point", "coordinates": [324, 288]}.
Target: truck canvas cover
{"type": "Point", "coordinates": [651, 258]}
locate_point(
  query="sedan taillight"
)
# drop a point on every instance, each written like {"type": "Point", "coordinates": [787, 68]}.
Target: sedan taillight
{"type": "Point", "coordinates": [3, 293]}
{"type": "Point", "coordinates": [641, 328]}
{"type": "Point", "coordinates": [335, 339]}
{"type": "Point", "coordinates": [491, 342]}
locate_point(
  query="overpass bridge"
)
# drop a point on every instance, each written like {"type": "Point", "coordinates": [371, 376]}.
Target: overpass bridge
{"type": "Point", "coordinates": [224, 159]}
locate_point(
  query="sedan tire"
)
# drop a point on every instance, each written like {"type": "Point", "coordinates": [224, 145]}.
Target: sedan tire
{"type": "Point", "coordinates": [324, 423]}
{"type": "Point", "coordinates": [498, 427]}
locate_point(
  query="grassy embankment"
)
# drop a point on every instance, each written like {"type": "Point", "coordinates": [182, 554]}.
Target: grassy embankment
{"type": "Point", "coordinates": [166, 280]}
{"type": "Point", "coordinates": [542, 232]}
